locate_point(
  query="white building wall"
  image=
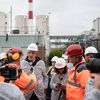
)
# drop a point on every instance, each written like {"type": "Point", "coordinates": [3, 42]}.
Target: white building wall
{"type": "Point", "coordinates": [3, 23]}
{"type": "Point", "coordinates": [96, 25]}
{"type": "Point", "coordinates": [21, 23]}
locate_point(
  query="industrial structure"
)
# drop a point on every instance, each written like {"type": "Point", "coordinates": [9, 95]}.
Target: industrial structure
{"type": "Point", "coordinates": [23, 33]}
{"type": "Point", "coordinates": [96, 25]}
{"type": "Point", "coordinates": [3, 23]}
{"type": "Point", "coordinates": [21, 41]}
{"type": "Point", "coordinates": [21, 24]}
{"type": "Point", "coordinates": [94, 37]}
{"type": "Point", "coordinates": [30, 17]}
{"type": "Point", "coordinates": [42, 28]}
{"type": "Point", "coordinates": [61, 41]}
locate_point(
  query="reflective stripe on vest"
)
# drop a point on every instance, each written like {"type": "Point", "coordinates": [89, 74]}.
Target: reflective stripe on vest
{"type": "Point", "coordinates": [28, 85]}
{"type": "Point", "coordinates": [28, 94]}
{"type": "Point", "coordinates": [75, 82]}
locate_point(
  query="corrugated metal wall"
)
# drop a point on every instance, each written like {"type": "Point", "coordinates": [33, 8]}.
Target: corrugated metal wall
{"type": "Point", "coordinates": [21, 41]}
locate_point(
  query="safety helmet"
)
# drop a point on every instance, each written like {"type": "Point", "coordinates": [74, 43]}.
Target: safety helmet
{"type": "Point", "coordinates": [90, 49]}
{"type": "Point", "coordinates": [3, 56]}
{"type": "Point", "coordinates": [74, 50]}
{"type": "Point", "coordinates": [32, 47]}
{"type": "Point", "coordinates": [14, 53]}
{"type": "Point", "coordinates": [65, 56]}
{"type": "Point", "coordinates": [54, 58]}
{"type": "Point", "coordinates": [60, 63]}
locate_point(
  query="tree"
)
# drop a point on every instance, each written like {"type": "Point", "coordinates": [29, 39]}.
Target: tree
{"type": "Point", "coordinates": [55, 52]}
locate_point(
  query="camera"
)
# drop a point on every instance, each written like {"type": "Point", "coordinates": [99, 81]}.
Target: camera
{"type": "Point", "coordinates": [10, 73]}
{"type": "Point", "coordinates": [3, 62]}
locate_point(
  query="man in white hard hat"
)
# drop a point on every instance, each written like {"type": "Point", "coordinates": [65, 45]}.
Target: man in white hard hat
{"type": "Point", "coordinates": [35, 64]}
{"type": "Point", "coordinates": [89, 51]}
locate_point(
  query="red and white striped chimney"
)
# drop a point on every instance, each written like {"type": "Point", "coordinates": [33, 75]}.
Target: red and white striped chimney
{"type": "Point", "coordinates": [30, 17]}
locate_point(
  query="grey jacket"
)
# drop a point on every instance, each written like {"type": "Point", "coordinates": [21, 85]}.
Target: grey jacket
{"type": "Point", "coordinates": [89, 86]}
{"type": "Point", "coordinates": [57, 78]}
{"type": "Point", "coordinates": [40, 71]}
{"type": "Point", "coordinates": [10, 92]}
{"type": "Point", "coordinates": [93, 95]}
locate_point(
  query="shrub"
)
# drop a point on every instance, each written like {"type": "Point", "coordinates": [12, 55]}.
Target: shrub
{"type": "Point", "coordinates": [55, 52]}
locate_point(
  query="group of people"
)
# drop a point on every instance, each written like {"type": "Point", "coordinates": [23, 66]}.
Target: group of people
{"type": "Point", "coordinates": [80, 81]}
{"type": "Point", "coordinates": [74, 76]}
{"type": "Point", "coordinates": [33, 79]}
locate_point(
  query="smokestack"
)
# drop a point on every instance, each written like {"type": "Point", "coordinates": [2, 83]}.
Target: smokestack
{"type": "Point", "coordinates": [30, 17]}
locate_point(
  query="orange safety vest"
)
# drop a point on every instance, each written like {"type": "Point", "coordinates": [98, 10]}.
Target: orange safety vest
{"type": "Point", "coordinates": [76, 83]}
{"type": "Point", "coordinates": [26, 83]}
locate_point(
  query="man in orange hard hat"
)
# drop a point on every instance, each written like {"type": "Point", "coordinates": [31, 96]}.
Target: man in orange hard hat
{"type": "Point", "coordinates": [78, 75]}
{"type": "Point", "coordinates": [25, 82]}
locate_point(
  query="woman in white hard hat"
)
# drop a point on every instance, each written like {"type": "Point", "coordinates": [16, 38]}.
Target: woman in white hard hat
{"type": "Point", "coordinates": [59, 80]}
{"type": "Point", "coordinates": [89, 51]}
{"type": "Point", "coordinates": [50, 72]}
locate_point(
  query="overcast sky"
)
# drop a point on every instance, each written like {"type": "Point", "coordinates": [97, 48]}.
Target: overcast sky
{"type": "Point", "coordinates": [67, 16]}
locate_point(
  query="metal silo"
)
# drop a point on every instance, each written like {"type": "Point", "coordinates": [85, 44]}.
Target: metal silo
{"type": "Point", "coordinates": [21, 24]}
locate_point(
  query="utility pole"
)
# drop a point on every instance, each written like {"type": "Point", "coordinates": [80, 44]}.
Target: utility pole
{"type": "Point", "coordinates": [85, 39]}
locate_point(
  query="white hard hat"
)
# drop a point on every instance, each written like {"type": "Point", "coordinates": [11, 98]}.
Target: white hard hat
{"type": "Point", "coordinates": [64, 56]}
{"type": "Point", "coordinates": [2, 56]}
{"type": "Point", "coordinates": [32, 47]}
{"type": "Point", "coordinates": [90, 49]}
{"type": "Point", "coordinates": [60, 63]}
{"type": "Point", "coordinates": [54, 58]}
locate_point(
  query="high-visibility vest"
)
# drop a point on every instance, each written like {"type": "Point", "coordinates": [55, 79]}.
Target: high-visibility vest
{"type": "Point", "coordinates": [78, 77]}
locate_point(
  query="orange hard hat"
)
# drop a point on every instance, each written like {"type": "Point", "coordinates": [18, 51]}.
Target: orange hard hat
{"type": "Point", "coordinates": [74, 50]}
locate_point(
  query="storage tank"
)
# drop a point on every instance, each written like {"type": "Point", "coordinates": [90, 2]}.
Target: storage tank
{"type": "Point", "coordinates": [3, 23]}
{"type": "Point", "coordinates": [42, 24]}
{"type": "Point", "coordinates": [21, 24]}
